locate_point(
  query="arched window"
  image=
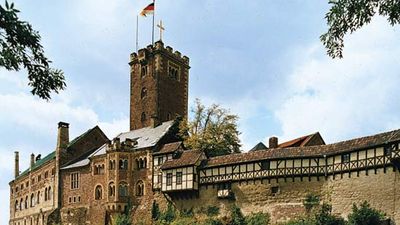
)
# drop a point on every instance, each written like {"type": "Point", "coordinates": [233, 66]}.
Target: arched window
{"type": "Point", "coordinates": [32, 200]}
{"type": "Point", "coordinates": [98, 192]}
{"type": "Point", "coordinates": [123, 164]}
{"type": "Point", "coordinates": [140, 188]}
{"type": "Point", "coordinates": [143, 71]}
{"type": "Point", "coordinates": [145, 162]}
{"type": "Point", "coordinates": [111, 189]}
{"type": "Point", "coordinates": [143, 117]}
{"type": "Point", "coordinates": [123, 189]}
{"type": "Point", "coordinates": [112, 164]}
{"type": "Point", "coordinates": [21, 204]}
{"type": "Point", "coordinates": [49, 194]}
{"type": "Point", "coordinates": [38, 197]}
{"type": "Point", "coordinates": [16, 205]}
{"type": "Point", "coordinates": [45, 195]}
{"type": "Point", "coordinates": [143, 94]}
{"type": "Point", "coordinates": [26, 202]}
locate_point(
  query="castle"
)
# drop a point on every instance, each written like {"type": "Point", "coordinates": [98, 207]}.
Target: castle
{"type": "Point", "coordinates": [91, 179]}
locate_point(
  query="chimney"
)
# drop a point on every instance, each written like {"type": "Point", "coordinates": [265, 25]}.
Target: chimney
{"type": "Point", "coordinates": [32, 160]}
{"type": "Point", "coordinates": [154, 121]}
{"type": "Point", "coordinates": [16, 168]}
{"type": "Point", "coordinates": [273, 142]}
{"type": "Point", "coordinates": [63, 135]}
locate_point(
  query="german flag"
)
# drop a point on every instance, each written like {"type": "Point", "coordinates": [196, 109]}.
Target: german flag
{"type": "Point", "coordinates": [148, 10]}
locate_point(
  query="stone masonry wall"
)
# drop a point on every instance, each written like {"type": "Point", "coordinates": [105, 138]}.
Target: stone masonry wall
{"type": "Point", "coordinates": [379, 189]}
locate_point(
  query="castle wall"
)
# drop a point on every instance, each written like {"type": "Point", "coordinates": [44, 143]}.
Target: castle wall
{"type": "Point", "coordinates": [380, 190]}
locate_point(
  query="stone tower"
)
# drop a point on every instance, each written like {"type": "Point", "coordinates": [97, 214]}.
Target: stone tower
{"type": "Point", "coordinates": [159, 85]}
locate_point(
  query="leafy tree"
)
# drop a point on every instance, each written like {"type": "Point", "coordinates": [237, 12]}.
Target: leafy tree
{"type": "Point", "coordinates": [325, 217]}
{"type": "Point", "coordinates": [155, 211]}
{"type": "Point", "coordinates": [349, 15]}
{"type": "Point", "coordinates": [257, 219]}
{"type": "Point", "coordinates": [237, 217]}
{"type": "Point", "coordinates": [212, 129]}
{"type": "Point", "coordinates": [169, 215]}
{"type": "Point", "coordinates": [20, 47]}
{"type": "Point", "coordinates": [365, 215]}
{"type": "Point", "coordinates": [123, 219]}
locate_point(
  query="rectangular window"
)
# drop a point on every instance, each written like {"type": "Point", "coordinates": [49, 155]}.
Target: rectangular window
{"type": "Point", "coordinates": [169, 179]}
{"type": "Point", "coordinates": [265, 165]}
{"type": "Point", "coordinates": [178, 177]}
{"type": "Point", "coordinates": [387, 151]}
{"type": "Point", "coordinates": [346, 158]}
{"type": "Point", "coordinates": [160, 160]}
{"type": "Point", "coordinates": [74, 180]}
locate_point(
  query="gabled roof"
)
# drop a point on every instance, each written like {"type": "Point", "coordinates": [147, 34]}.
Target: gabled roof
{"type": "Point", "coordinates": [187, 158]}
{"type": "Point", "coordinates": [259, 146]}
{"type": "Point", "coordinates": [170, 148]}
{"type": "Point", "coordinates": [308, 140]}
{"type": "Point", "coordinates": [307, 151]}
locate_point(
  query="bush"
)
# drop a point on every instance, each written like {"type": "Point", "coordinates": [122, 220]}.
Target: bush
{"type": "Point", "coordinates": [365, 215]}
{"type": "Point", "coordinates": [123, 219]}
{"type": "Point", "coordinates": [303, 221]}
{"type": "Point", "coordinates": [310, 201]}
{"type": "Point", "coordinates": [257, 219]}
{"type": "Point", "coordinates": [169, 215]}
{"type": "Point", "coordinates": [187, 213]}
{"type": "Point", "coordinates": [237, 217]}
{"type": "Point", "coordinates": [325, 217]}
{"type": "Point", "coordinates": [155, 211]}
{"type": "Point", "coordinates": [212, 221]}
{"type": "Point", "coordinates": [212, 211]}
{"type": "Point", "coordinates": [184, 221]}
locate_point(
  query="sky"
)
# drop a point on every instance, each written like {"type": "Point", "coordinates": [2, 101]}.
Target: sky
{"type": "Point", "coordinates": [261, 59]}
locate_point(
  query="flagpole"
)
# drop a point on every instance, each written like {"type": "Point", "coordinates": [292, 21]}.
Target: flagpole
{"type": "Point", "coordinates": [137, 33]}
{"type": "Point", "coordinates": [154, 12]}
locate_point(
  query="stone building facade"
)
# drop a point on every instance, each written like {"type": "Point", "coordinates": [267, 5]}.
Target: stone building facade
{"type": "Point", "coordinates": [91, 179]}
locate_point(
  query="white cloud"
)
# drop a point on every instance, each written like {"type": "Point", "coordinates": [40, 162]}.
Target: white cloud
{"type": "Point", "coordinates": [353, 96]}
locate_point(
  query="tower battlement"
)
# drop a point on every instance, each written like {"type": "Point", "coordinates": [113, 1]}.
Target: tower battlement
{"type": "Point", "coordinates": [159, 47]}
{"type": "Point", "coordinates": [159, 85]}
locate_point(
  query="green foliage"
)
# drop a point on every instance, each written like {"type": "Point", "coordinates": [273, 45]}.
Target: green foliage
{"type": "Point", "coordinates": [169, 215]}
{"type": "Point", "coordinates": [212, 129]}
{"type": "Point", "coordinates": [187, 213]}
{"type": "Point", "coordinates": [346, 16]}
{"type": "Point", "coordinates": [237, 217]}
{"type": "Point", "coordinates": [123, 219]}
{"type": "Point", "coordinates": [257, 219]}
{"type": "Point", "coordinates": [155, 211]}
{"type": "Point", "coordinates": [20, 47]}
{"type": "Point", "coordinates": [365, 215]}
{"type": "Point", "coordinates": [184, 221]}
{"type": "Point", "coordinates": [322, 217]}
{"type": "Point", "coordinates": [212, 221]}
{"type": "Point", "coordinates": [325, 217]}
{"type": "Point", "coordinates": [212, 211]}
{"type": "Point", "coordinates": [310, 201]}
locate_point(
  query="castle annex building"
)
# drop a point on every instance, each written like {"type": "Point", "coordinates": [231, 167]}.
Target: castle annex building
{"type": "Point", "coordinates": [91, 178]}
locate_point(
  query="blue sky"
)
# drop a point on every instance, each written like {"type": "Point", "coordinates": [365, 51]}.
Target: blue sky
{"type": "Point", "coordinates": [261, 59]}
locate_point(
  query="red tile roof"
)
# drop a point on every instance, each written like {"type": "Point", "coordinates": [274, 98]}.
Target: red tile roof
{"type": "Point", "coordinates": [301, 141]}
{"type": "Point", "coordinates": [187, 158]}
{"type": "Point", "coordinates": [169, 148]}
{"type": "Point", "coordinates": [307, 151]}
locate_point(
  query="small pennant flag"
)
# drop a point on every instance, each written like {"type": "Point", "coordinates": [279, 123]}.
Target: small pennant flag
{"type": "Point", "coordinates": [148, 10]}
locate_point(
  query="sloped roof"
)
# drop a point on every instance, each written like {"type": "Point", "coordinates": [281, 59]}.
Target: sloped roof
{"type": "Point", "coordinates": [187, 158]}
{"type": "Point", "coordinates": [301, 141]}
{"type": "Point", "coordinates": [259, 146]}
{"type": "Point", "coordinates": [169, 148]}
{"type": "Point", "coordinates": [145, 137]}
{"type": "Point", "coordinates": [40, 162]}
{"type": "Point", "coordinates": [307, 151]}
